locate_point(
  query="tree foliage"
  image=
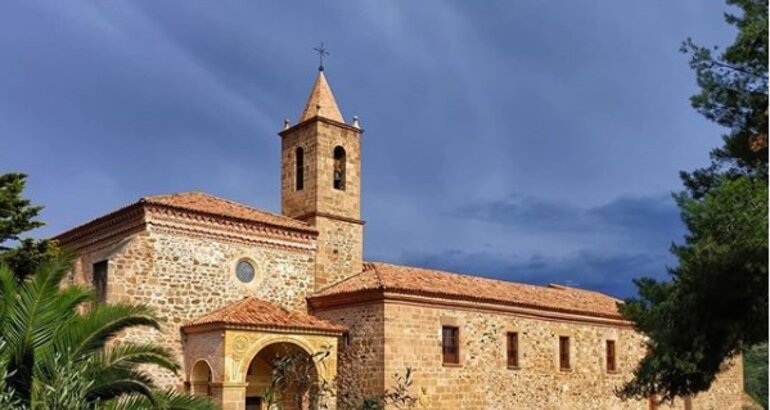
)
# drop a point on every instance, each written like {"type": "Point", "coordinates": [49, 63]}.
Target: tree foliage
{"type": "Point", "coordinates": [18, 216]}
{"type": "Point", "coordinates": [716, 304]}
{"type": "Point", "coordinates": [734, 95]}
{"type": "Point", "coordinates": [54, 351]}
{"type": "Point", "coordinates": [294, 379]}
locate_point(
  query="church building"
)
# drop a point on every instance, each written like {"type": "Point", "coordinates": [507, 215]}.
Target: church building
{"type": "Point", "coordinates": [238, 287]}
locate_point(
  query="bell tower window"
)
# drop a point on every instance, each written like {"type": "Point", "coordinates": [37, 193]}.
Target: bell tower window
{"type": "Point", "coordinates": [339, 168]}
{"type": "Point", "coordinates": [299, 172]}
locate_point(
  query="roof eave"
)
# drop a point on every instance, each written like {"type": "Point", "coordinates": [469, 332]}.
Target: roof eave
{"type": "Point", "coordinates": [343, 299]}
{"type": "Point", "coordinates": [317, 118]}
{"type": "Point", "coordinates": [192, 328]}
{"type": "Point", "coordinates": [306, 230]}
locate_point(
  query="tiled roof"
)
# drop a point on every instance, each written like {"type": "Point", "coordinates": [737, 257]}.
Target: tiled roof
{"type": "Point", "coordinates": [210, 204]}
{"type": "Point", "coordinates": [260, 313]}
{"type": "Point", "coordinates": [427, 282]}
{"type": "Point", "coordinates": [321, 102]}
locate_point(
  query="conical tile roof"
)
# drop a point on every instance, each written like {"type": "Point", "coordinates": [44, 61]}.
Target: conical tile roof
{"type": "Point", "coordinates": [321, 102]}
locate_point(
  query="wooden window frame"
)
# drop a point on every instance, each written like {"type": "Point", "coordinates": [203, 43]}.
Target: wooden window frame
{"type": "Point", "coordinates": [450, 346]}
{"type": "Point", "coordinates": [565, 359]}
{"type": "Point", "coordinates": [652, 402]}
{"type": "Point", "coordinates": [611, 356]}
{"type": "Point", "coordinates": [512, 349]}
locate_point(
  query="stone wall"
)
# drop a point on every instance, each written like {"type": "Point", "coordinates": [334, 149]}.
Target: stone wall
{"type": "Point", "coordinates": [339, 253]}
{"type": "Point", "coordinates": [185, 276]}
{"type": "Point", "coordinates": [209, 347]}
{"type": "Point", "coordinates": [361, 352]}
{"type": "Point", "coordinates": [483, 380]}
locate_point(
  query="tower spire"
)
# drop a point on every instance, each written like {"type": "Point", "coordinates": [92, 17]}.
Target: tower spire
{"type": "Point", "coordinates": [321, 101]}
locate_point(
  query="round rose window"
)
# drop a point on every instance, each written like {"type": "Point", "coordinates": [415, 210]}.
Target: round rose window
{"type": "Point", "coordinates": [244, 271]}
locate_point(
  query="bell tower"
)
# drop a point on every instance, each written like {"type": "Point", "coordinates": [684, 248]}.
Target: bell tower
{"type": "Point", "coordinates": [321, 182]}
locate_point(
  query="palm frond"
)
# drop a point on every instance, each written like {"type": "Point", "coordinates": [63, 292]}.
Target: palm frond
{"type": "Point", "coordinates": [89, 333]}
{"type": "Point", "coordinates": [8, 289]}
{"type": "Point", "coordinates": [117, 383]}
{"type": "Point", "coordinates": [30, 322]}
{"type": "Point", "coordinates": [164, 400]}
{"type": "Point", "coordinates": [130, 355]}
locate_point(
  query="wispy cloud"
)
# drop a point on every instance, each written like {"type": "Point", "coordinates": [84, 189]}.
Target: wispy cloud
{"type": "Point", "coordinates": [645, 219]}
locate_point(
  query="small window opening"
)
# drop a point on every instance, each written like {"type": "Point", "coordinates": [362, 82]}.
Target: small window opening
{"type": "Point", "coordinates": [652, 402]}
{"type": "Point", "coordinates": [513, 349]}
{"type": "Point", "coordinates": [564, 362]}
{"type": "Point", "coordinates": [450, 344]}
{"type": "Point", "coordinates": [339, 168]}
{"type": "Point", "coordinates": [611, 361]}
{"type": "Point", "coordinates": [299, 173]}
{"type": "Point", "coordinates": [100, 281]}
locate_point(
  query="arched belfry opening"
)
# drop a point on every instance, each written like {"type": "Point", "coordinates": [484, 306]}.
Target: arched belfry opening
{"type": "Point", "coordinates": [299, 169]}
{"type": "Point", "coordinates": [339, 168]}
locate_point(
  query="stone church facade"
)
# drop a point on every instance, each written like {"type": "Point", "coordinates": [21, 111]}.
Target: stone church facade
{"type": "Point", "coordinates": [238, 287]}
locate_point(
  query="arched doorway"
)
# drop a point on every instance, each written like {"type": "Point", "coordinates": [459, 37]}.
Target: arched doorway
{"type": "Point", "coordinates": [200, 379]}
{"type": "Point", "coordinates": [282, 373]}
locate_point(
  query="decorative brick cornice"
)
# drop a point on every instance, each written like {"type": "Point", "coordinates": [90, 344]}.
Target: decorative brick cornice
{"type": "Point", "coordinates": [143, 215]}
{"type": "Point", "coordinates": [230, 222]}
{"type": "Point", "coordinates": [230, 237]}
{"type": "Point", "coordinates": [122, 222]}
{"type": "Point", "coordinates": [221, 227]}
{"type": "Point", "coordinates": [315, 214]}
{"type": "Point", "coordinates": [210, 327]}
{"type": "Point", "coordinates": [316, 119]}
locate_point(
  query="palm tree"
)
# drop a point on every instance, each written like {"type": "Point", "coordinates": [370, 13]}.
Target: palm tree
{"type": "Point", "coordinates": [53, 347]}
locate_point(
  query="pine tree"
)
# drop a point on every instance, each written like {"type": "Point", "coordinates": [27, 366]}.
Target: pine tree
{"type": "Point", "coordinates": [716, 304]}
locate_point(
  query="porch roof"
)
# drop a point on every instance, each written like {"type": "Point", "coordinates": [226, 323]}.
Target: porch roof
{"type": "Point", "coordinates": [258, 313]}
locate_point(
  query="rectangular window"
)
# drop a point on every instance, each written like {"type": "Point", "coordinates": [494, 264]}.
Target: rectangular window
{"type": "Point", "coordinates": [450, 344]}
{"type": "Point", "coordinates": [611, 363]}
{"type": "Point", "coordinates": [652, 403]}
{"type": "Point", "coordinates": [100, 281]}
{"type": "Point", "coordinates": [513, 349]}
{"type": "Point", "coordinates": [299, 169]}
{"type": "Point", "coordinates": [564, 363]}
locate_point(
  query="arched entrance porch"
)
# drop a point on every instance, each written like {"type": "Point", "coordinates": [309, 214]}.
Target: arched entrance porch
{"type": "Point", "coordinates": [284, 374]}
{"type": "Point", "coordinates": [245, 342]}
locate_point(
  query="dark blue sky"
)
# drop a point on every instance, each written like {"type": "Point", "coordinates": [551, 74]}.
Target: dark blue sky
{"type": "Point", "coordinates": [531, 141]}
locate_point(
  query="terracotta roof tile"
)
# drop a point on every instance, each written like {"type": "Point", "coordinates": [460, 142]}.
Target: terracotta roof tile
{"type": "Point", "coordinates": [210, 204]}
{"type": "Point", "coordinates": [255, 312]}
{"type": "Point", "coordinates": [321, 102]}
{"type": "Point", "coordinates": [397, 278]}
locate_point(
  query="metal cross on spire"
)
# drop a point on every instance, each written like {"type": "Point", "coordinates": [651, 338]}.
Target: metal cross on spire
{"type": "Point", "coordinates": [322, 52]}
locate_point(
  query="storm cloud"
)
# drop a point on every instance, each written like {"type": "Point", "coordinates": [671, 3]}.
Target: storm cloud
{"type": "Point", "coordinates": [527, 140]}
